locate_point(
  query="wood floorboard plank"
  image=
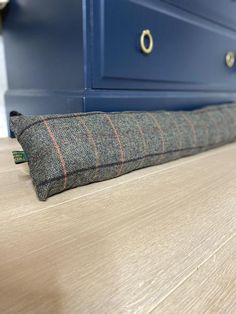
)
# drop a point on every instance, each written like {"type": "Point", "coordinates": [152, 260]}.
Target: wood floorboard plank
{"type": "Point", "coordinates": [120, 249]}
{"type": "Point", "coordinates": [7, 143]}
{"type": "Point", "coordinates": [210, 289]}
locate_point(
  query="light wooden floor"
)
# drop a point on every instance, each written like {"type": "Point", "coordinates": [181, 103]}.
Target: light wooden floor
{"type": "Point", "coordinates": [158, 240]}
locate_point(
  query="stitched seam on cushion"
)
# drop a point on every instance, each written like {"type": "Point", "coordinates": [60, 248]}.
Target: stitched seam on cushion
{"type": "Point", "coordinates": [122, 154]}
{"type": "Point", "coordinates": [203, 110]}
{"type": "Point", "coordinates": [58, 150]}
{"type": "Point", "coordinates": [133, 160]}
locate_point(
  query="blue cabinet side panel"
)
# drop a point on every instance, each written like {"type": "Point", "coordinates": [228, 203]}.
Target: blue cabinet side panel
{"type": "Point", "coordinates": [44, 44]}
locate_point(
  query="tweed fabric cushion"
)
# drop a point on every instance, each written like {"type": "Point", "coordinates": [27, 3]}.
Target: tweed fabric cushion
{"type": "Point", "coordinates": [66, 151]}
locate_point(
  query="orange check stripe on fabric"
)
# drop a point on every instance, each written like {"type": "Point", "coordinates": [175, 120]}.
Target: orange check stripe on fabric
{"type": "Point", "coordinates": [58, 150]}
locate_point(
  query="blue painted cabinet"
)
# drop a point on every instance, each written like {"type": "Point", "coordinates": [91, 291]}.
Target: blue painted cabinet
{"type": "Point", "coordinates": [187, 54]}
{"type": "Point", "coordinates": [83, 55]}
{"type": "Point", "coordinates": [220, 12]}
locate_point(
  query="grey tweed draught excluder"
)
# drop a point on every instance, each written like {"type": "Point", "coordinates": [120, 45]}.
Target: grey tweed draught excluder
{"type": "Point", "coordinates": [67, 151]}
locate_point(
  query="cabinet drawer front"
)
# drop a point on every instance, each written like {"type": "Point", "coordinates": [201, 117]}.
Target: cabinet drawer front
{"type": "Point", "coordinates": [186, 54]}
{"type": "Point", "coordinates": [219, 11]}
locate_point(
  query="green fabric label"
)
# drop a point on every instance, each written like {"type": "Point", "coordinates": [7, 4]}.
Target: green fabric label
{"type": "Point", "coordinates": [20, 157]}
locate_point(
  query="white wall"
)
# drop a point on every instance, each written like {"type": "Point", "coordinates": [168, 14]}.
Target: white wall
{"type": "Point", "coordinates": [3, 87]}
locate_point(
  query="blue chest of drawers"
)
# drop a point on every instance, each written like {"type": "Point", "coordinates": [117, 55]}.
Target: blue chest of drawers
{"type": "Point", "coordinates": [110, 55]}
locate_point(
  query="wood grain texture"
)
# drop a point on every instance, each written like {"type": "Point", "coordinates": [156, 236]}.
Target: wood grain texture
{"type": "Point", "coordinates": [127, 245]}
{"type": "Point", "coordinates": [8, 144]}
{"type": "Point", "coordinates": [210, 289]}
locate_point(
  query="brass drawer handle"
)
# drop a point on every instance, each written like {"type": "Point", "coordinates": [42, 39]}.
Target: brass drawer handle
{"type": "Point", "coordinates": [230, 59]}
{"type": "Point", "coordinates": [147, 50]}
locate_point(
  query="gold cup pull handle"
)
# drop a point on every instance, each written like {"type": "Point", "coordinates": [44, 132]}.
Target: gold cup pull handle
{"type": "Point", "coordinates": [146, 34]}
